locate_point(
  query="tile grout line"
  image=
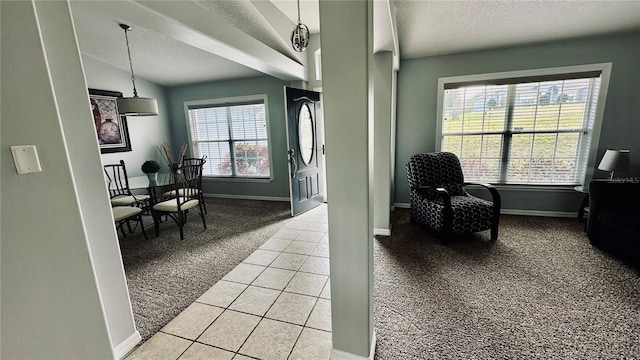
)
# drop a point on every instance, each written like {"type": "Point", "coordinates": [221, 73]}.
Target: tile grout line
{"type": "Point", "coordinates": [262, 317]}
{"type": "Point", "coordinates": [225, 309]}
{"type": "Point", "coordinates": [280, 252]}
{"type": "Point", "coordinates": [281, 292]}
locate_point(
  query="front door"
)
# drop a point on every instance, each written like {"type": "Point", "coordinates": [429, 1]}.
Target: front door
{"type": "Point", "coordinates": [304, 152]}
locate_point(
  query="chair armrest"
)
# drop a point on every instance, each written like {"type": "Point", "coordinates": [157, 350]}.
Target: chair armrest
{"type": "Point", "coordinates": [495, 195]}
{"type": "Point", "coordinates": [442, 192]}
{"type": "Point", "coordinates": [446, 203]}
{"type": "Point", "coordinates": [438, 190]}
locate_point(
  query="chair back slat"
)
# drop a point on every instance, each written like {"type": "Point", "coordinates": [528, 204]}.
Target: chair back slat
{"type": "Point", "coordinates": [194, 161]}
{"type": "Point", "coordinates": [188, 184]}
{"type": "Point", "coordinates": [117, 181]}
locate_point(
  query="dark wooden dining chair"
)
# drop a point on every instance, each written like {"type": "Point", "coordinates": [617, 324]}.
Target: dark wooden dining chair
{"type": "Point", "coordinates": [125, 206]}
{"type": "Point", "coordinates": [118, 185]}
{"type": "Point", "coordinates": [200, 162]}
{"type": "Point", "coordinates": [124, 214]}
{"type": "Point", "coordinates": [188, 185]}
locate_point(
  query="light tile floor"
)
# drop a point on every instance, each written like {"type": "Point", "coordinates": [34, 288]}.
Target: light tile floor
{"type": "Point", "coordinates": [274, 305]}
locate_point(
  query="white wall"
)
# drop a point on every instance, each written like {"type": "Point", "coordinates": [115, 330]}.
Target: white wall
{"type": "Point", "coordinates": [314, 45]}
{"type": "Point", "coordinates": [145, 132]}
{"type": "Point", "coordinates": [51, 306]}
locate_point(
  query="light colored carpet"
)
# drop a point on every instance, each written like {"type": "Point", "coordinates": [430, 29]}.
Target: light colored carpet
{"type": "Point", "coordinates": [540, 292]}
{"type": "Point", "coordinates": [166, 274]}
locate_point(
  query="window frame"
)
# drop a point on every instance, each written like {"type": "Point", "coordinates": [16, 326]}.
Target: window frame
{"type": "Point", "coordinates": [603, 68]}
{"type": "Point", "coordinates": [226, 102]}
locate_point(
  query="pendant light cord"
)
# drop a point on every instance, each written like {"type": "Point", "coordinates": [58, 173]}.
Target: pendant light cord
{"type": "Point", "coordinates": [298, 11]}
{"type": "Point", "coordinates": [133, 77]}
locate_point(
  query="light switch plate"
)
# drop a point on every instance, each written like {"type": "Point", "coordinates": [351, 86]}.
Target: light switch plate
{"type": "Point", "coordinates": [26, 159]}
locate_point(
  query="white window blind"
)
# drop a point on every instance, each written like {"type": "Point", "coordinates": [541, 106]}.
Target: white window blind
{"type": "Point", "coordinates": [233, 136]}
{"type": "Point", "coordinates": [522, 130]}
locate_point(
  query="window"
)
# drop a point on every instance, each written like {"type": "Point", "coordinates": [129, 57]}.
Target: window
{"type": "Point", "coordinates": [233, 134]}
{"type": "Point", "coordinates": [510, 129]}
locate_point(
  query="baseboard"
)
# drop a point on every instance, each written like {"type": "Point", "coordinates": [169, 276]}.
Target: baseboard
{"type": "Point", "coordinates": [343, 355]}
{"type": "Point", "coordinates": [382, 232]}
{"type": "Point", "coordinates": [372, 349]}
{"type": "Point", "coordinates": [247, 197]}
{"type": "Point", "coordinates": [127, 345]}
{"type": "Point", "coordinates": [560, 214]}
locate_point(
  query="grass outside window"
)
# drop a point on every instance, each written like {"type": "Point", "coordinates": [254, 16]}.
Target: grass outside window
{"type": "Point", "coordinates": [521, 133]}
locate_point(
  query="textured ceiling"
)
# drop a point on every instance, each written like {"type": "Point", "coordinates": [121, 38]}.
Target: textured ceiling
{"type": "Point", "coordinates": [309, 12]}
{"type": "Point", "coordinates": [155, 57]}
{"type": "Point", "coordinates": [242, 15]}
{"type": "Point", "coordinates": [428, 28]}
{"type": "Point", "coordinates": [425, 28]}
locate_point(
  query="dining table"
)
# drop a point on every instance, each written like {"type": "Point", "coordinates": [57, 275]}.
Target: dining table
{"type": "Point", "coordinates": [143, 183]}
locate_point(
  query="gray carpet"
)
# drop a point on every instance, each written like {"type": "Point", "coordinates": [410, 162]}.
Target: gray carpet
{"type": "Point", "coordinates": [540, 292]}
{"type": "Point", "coordinates": [165, 274]}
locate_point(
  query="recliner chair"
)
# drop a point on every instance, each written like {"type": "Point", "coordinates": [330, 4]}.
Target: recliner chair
{"type": "Point", "coordinates": [439, 201]}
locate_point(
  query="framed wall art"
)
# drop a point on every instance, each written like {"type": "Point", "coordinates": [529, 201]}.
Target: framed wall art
{"type": "Point", "coordinates": [111, 127]}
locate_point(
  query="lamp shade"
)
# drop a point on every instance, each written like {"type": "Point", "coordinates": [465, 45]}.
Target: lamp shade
{"type": "Point", "coordinates": [615, 160]}
{"type": "Point", "coordinates": [137, 106]}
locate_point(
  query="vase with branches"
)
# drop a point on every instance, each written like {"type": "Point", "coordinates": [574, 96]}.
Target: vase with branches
{"type": "Point", "coordinates": [173, 163]}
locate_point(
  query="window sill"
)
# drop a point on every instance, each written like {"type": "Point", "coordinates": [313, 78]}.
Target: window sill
{"type": "Point", "coordinates": [530, 188]}
{"type": "Point", "coordinates": [237, 179]}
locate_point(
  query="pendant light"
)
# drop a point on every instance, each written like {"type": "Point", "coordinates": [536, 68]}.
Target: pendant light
{"type": "Point", "coordinates": [135, 106]}
{"type": "Point", "coordinates": [300, 34]}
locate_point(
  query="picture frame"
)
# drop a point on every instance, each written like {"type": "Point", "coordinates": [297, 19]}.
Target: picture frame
{"type": "Point", "coordinates": [111, 127]}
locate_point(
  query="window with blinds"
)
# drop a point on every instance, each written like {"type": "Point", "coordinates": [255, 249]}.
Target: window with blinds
{"type": "Point", "coordinates": [533, 130]}
{"type": "Point", "coordinates": [233, 136]}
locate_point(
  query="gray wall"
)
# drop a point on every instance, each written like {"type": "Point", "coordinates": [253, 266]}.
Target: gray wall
{"type": "Point", "coordinates": [145, 132]}
{"type": "Point", "coordinates": [347, 120]}
{"type": "Point", "coordinates": [274, 88]}
{"type": "Point", "coordinates": [417, 91]}
{"type": "Point", "coordinates": [56, 295]}
{"type": "Point", "coordinates": [382, 70]}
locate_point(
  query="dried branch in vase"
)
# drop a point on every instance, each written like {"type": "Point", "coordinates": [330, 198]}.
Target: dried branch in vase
{"type": "Point", "coordinates": [165, 151]}
{"type": "Point", "coordinates": [183, 152]}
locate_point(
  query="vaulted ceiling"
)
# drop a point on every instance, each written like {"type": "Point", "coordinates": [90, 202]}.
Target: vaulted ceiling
{"type": "Point", "coordinates": [181, 42]}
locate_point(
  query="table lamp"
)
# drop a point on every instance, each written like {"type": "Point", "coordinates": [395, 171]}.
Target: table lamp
{"type": "Point", "coordinates": [615, 160]}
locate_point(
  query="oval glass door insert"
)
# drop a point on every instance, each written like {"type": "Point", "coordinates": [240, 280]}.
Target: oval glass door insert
{"type": "Point", "coordinates": [305, 134]}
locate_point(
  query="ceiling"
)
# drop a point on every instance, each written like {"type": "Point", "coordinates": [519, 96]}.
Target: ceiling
{"type": "Point", "coordinates": [427, 28]}
{"type": "Point", "coordinates": [165, 55]}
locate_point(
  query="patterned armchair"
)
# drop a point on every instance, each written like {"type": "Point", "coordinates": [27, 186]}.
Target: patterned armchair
{"type": "Point", "coordinates": [439, 201]}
